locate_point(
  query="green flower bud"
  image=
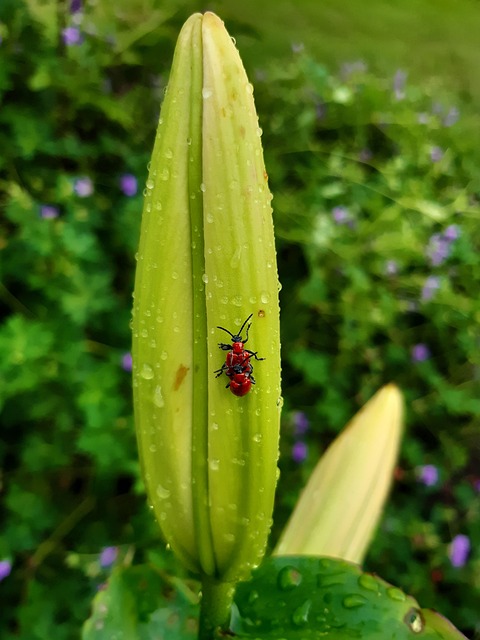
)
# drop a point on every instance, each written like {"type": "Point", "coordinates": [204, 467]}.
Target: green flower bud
{"type": "Point", "coordinates": [341, 505]}
{"type": "Point", "coordinates": [207, 258]}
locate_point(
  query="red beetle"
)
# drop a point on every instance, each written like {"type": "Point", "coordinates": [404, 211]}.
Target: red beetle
{"type": "Point", "coordinates": [237, 365]}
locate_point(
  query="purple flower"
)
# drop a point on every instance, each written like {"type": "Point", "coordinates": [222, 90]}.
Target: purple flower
{"type": "Point", "coordinates": [5, 569]}
{"type": "Point", "coordinates": [452, 117]}
{"type": "Point", "coordinates": [420, 352]}
{"type": "Point", "coordinates": [83, 187]}
{"type": "Point", "coordinates": [476, 484]}
{"type": "Point", "coordinates": [108, 556]}
{"type": "Point", "coordinates": [436, 154]}
{"type": "Point", "coordinates": [438, 249]}
{"type": "Point", "coordinates": [299, 452]}
{"type": "Point", "coordinates": [341, 215]}
{"type": "Point", "coordinates": [428, 475]}
{"type": "Point", "coordinates": [48, 212]}
{"type": "Point", "coordinates": [72, 36]}
{"type": "Point", "coordinates": [75, 6]}
{"type": "Point", "coordinates": [459, 550]}
{"type": "Point", "coordinates": [365, 155]}
{"type": "Point", "coordinates": [298, 47]}
{"type": "Point", "coordinates": [391, 268]}
{"type": "Point", "coordinates": [129, 184]}
{"type": "Point", "coordinates": [432, 283]}
{"type": "Point", "coordinates": [300, 423]}
{"type": "Point", "coordinates": [451, 233]}
{"type": "Point", "coordinates": [127, 361]}
{"type": "Point", "coordinates": [399, 80]}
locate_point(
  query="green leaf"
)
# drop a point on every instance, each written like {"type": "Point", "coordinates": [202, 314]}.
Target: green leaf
{"type": "Point", "coordinates": [139, 603]}
{"type": "Point", "coordinates": [304, 597]}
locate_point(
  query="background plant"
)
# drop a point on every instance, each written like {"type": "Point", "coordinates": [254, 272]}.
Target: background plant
{"type": "Point", "coordinates": [376, 208]}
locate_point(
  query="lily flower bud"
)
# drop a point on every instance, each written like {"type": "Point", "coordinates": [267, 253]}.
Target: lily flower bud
{"type": "Point", "coordinates": [207, 259]}
{"type": "Point", "coordinates": [339, 508]}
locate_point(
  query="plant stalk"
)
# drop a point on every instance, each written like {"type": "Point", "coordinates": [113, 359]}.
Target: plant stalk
{"type": "Point", "coordinates": [215, 607]}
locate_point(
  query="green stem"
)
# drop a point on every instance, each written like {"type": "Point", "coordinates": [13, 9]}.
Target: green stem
{"type": "Point", "coordinates": [215, 607]}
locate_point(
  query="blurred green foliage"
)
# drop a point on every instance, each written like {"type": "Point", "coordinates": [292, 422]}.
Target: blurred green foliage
{"type": "Point", "coordinates": [377, 213]}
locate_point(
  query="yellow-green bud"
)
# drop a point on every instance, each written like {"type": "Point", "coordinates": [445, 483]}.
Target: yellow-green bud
{"type": "Point", "coordinates": [207, 258]}
{"type": "Point", "coordinates": [340, 507]}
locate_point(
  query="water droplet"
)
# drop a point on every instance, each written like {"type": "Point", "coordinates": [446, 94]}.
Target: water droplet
{"type": "Point", "coordinates": [252, 596]}
{"type": "Point", "coordinates": [257, 437]}
{"type": "Point", "coordinates": [152, 448]}
{"type": "Point", "coordinates": [169, 153]}
{"type": "Point", "coordinates": [162, 492]}
{"type": "Point", "coordinates": [369, 582]}
{"type": "Point", "coordinates": [163, 355]}
{"type": "Point", "coordinates": [249, 88]}
{"type": "Point", "coordinates": [206, 93]}
{"type": "Point", "coordinates": [205, 278]}
{"type": "Point", "coordinates": [300, 615]}
{"type": "Point", "coordinates": [288, 578]}
{"type": "Point", "coordinates": [414, 620]}
{"type": "Point", "coordinates": [189, 141]}
{"type": "Point", "coordinates": [203, 187]}
{"type": "Point", "coordinates": [146, 372]}
{"type": "Point", "coordinates": [354, 600]}
{"type": "Point", "coordinates": [396, 594]}
{"type": "Point", "coordinates": [214, 464]}
{"type": "Point", "coordinates": [259, 131]}
{"type": "Point", "coordinates": [158, 400]}
{"type": "Point", "coordinates": [164, 174]}
{"type": "Point", "coordinates": [150, 184]}
{"type": "Point", "coordinates": [265, 297]}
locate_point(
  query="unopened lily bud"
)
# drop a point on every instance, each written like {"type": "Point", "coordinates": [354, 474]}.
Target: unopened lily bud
{"type": "Point", "coordinates": [340, 507]}
{"type": "Point", "coordinates": [207, 259]}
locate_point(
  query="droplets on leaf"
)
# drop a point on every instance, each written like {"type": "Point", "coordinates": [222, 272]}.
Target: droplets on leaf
{"type": "Point", "coordinates": [146, 372]}
{"type": "Point", "coordinates": [288, 578]}
{"type": "Point", "coordinates": [162, 492]}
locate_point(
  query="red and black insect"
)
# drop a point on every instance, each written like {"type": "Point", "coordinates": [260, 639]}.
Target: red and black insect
{"type": "Point", "coordinates": [237, 365]}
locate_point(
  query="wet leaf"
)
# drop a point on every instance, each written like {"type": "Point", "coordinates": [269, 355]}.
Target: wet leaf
{"type": "Point", "coordinates": [305, 597]}
{"type": "Point", "coordinates": [138, 603]}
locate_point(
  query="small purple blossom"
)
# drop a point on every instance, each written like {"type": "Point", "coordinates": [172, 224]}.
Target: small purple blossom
{"type": "Point", "coordinates": [423, 118]}
{"type": "Point", "coordinates": [5, 569]}
{"type": "Point", "coordinates": [300, 423]}
{"type": "Point", "coordinates": [399, 81]}
{"type": "Point", "coordinates": [129, 184]}
{"type": "Point", "coordinates": [341, 215]}
{"type": "Point", "coordinates": [432, 284]}
{"type": "Point", "coordinates": [452, 117]}
{"type": "Point", "coordinates": [420, 352]}
{"type": "Point", "coordinates": [451, 233]}
{"type": "Point", "coordinates": [459, 550]}
{"type": "Point", "coordinates": [83, 187]}
{"type": "Point", "coordinates": [48, 212]}
{"type": "Point", "coordinates": [298, 47]}
{"type": "Point", "coordinates": [365, 155]}
{"type": "Point", "coordinates": [436, 154]}
{"type": "Point", "coordinates": [391, 267]}
{"type": "Point", "coordinates": [127, 361]}
{"type": "Point", "coordinates": [350, 68]}
{"type": "Point", "coordinates": [75, 6]}
{"type": "Point", "coordinates": [108, 556]}
{"type": "Point", "coordinates": [438, 249]}
{"type": "Point", "coordinates": [428, 475]}
{"type": "Point", "coordinates": [72, 36]}
{"type": "Point", "coordinates": [476, 484]}
{"type": "Point", "coordinates": [299, 452]}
